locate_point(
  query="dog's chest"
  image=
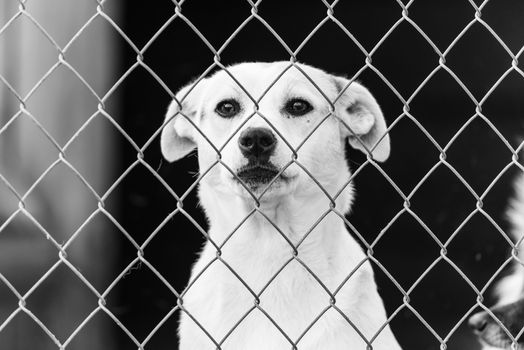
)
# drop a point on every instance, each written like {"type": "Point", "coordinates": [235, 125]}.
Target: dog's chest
{"type": "Point", "coordinates": [276, 300]}
{"type": "Point", "coordinates": [275, 310]}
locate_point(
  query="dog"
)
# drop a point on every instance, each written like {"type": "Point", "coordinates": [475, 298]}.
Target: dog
{"type": "Point", "coordinates": [510, 291]}
{"type": "Point", "coordinates": [279, 270]}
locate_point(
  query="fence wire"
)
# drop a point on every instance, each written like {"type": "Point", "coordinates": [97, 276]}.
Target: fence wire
{"type": "Point", "coordinates": [63, 260]}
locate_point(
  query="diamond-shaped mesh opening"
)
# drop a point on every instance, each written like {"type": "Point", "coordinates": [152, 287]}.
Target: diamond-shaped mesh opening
{"type": "Point", "coordinates": [97, 34]}
{"type": "Point", "coordinates": [159, 197]}
{"type": "Point", "coordinates": [95, 228]}
{"type": "Point", "coordinates": [20, 236]}
{"type": "Point", "coordinates": [305, 20]}
{"type": "Point", "coordinates": [11, 335]}
{"type": "Point", "coordinates": [430, 15]}
{"type": "Point", "coordinates": [96, 128]}
{"type": "Point", "coordinates": [491, 257]}
{"type": "Point", "coordinates": [447, 300]}
{"type": "Point", "coordinates": [47, 53]}
{"type": "Point", "coordinates": [414, 166]}
{"type": "Point", "coordinates": [23, 124]}
{"type": "Point", "coordinates": [504, 101]}
{"type": "Point", "coordinates": [479, 152]}
{"type": "Point", "coordinates": [98, 234]}
{"type": "Point", "coordinates": [72, 315]}
{"type": "Point", "coordinates": [425, 338]}
{"type": "Point", "coordinates": [383, 15]}
{"type": "Point", "coordinates": [89, 328]}
{"type": "Point", "coordinates": [457, 199]}
{"type": "Point", "coordinates": [60, 35]}
{"type": "Point", "coordinates": [398, 264]}
{"type": "Point", "coordinates": [218, 32]}
{"type": "Point", "coordinates": [139, 129]}
{"type": "Point", "coordinates": [252, 43]}
{"type": "Point", "coordinates": [465, 59]}
{"type": "Point", "coordinates": [442, 106]}
{"type": "Point", "coordinates": [395, 64]}
{"type": "Point", "coordinates": [57, 75]}
{"type": "Point", "coordinates": [377, 188]}
{"type": "Point", "coordinates": [178, 35]}
{"type": "Point", "coordinates": [497, 16]}
{"type": "Point", "coordinates": [155, 300]}
{"type": "Point", "coordinates": [329, 38]}
{"type": "Point", "coordinates": [71, 181]}
{"type": "Point", "coordinates": [162, 12]}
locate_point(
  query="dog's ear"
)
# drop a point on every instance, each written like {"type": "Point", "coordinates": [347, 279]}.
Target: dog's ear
{"type": "Point", "coordinates": [365, 126]}
{"type": "Point", "coordinates": [178, 135]}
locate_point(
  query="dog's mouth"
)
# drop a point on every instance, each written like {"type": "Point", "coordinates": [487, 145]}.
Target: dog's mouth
{"type": "Point", "coordinates": [494, 336]}
{"type": "Point", "coordinates": [501, 341]}
{"type": "Point", "coordinates": [512, 317]}
{"type": "Point", "coordinates": [256, 175]}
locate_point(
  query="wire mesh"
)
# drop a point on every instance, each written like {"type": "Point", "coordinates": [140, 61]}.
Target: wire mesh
{"type": "Point", "coordinates": [24, 10]}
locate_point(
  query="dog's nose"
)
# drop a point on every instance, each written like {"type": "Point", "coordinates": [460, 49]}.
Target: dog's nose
{"type": "Point", "coordinates": [478, 321]}
{"type": "Point", "coordinates": [257, 144]}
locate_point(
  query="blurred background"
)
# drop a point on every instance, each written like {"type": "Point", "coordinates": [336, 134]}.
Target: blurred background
{"type": "Point", "coordinates": [77, 101]}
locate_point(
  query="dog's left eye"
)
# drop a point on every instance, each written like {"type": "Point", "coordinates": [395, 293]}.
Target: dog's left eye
{"type": "Point", "coordinates": [227, 108]}
{"type": "Point", "coordinates": [297, 107]}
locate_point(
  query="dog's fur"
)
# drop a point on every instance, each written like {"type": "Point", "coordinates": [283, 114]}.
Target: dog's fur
{"type": "Point", "coordinates": [510, 290]}
{"type": "Point", "coordinates": [220, 300]}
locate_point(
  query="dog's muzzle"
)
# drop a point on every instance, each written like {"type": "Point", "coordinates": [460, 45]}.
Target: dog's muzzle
{"type": "Point", "coordinates": [257, 145]}
{"type": "Point", "coordinates": [489, 330]}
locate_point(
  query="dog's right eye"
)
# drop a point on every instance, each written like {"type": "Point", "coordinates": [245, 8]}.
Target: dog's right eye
{"type": "Point", "coordinates": [227, 108]}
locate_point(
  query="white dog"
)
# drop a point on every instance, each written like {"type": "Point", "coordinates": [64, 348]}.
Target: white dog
{"type": "Point", "coordinates": [510, 291]}
{"type": "Point", "coordinates": [259, 291]}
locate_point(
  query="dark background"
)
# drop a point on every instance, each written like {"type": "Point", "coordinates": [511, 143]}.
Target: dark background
{"type": "Point", "coordinates": [442, 298]}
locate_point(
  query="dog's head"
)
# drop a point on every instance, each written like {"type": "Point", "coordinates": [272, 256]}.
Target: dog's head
{"type": "Point", "coordinates": [490, 332]}
{"type": "Point", "coordinates": [257, 128]}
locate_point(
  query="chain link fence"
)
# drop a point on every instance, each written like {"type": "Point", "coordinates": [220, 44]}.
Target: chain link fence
{"type": "Point", "coordinates": [178, 190]}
